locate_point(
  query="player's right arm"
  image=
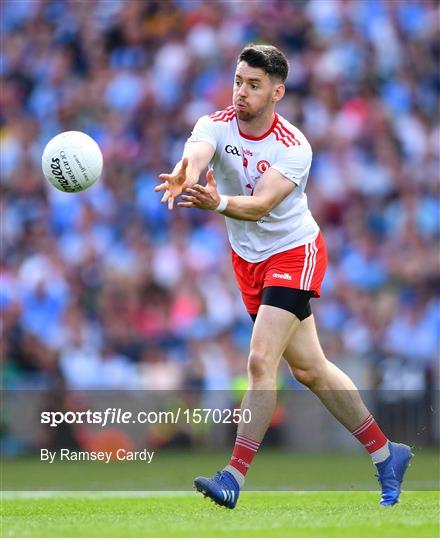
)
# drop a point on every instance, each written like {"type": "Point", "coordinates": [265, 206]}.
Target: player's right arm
{"type": "Point", "coordinates": [196, 157]}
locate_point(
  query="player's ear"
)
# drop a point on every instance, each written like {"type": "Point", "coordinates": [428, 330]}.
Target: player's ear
{"type": "Point", "coordinates": [278, 92]}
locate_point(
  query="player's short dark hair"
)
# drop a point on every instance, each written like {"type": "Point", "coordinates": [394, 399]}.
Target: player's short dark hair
{"type": "Point", "coordinates": [267, 57]}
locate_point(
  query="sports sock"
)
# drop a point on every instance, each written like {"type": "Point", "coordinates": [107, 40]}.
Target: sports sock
{"type": "Point", "coordinates": [242, 456]}
{"type": "Point", "coordinates": [372, 438]}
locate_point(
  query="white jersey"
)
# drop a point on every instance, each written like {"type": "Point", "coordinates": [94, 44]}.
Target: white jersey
{"type": "Point", "coordinates": [238, 163]}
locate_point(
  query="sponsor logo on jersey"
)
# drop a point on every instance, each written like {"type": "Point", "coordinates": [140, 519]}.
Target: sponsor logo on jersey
{"type": "Point", "coordinates": [282, 276]}
{"type": "Point", "coordinates": [229, 149]}
{"type": "Point", "coordinates": [262, 166]}
{"type": "Point", "coordinates": [247, 152]}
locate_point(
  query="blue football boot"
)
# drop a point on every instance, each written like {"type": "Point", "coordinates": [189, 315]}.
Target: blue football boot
{"type": "Point", "coordinates": [391, 472]}
{"type": "Point", "coordinates": [222, 488]}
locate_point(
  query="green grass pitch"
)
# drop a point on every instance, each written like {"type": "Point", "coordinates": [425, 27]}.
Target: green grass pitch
{"type": "Point", "coordinates": [286, 495]}
{"type": "Point", "coordinates": [258, 514]}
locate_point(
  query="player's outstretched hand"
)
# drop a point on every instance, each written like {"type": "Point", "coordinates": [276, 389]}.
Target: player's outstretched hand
{"type": "Point", "coordinates": [203, 197]}
{"type": "Point", "coordinates": [173, 184]}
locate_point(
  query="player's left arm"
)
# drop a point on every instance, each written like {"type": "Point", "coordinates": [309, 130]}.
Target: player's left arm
{"type": "Point", "coordinates": [270, 190]}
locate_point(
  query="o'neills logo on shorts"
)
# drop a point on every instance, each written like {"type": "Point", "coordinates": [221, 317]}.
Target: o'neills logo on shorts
{"type": "Point", "coordinates": [282, 276]}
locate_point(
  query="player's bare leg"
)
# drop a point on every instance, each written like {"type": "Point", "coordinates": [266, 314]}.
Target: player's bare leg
{"type": "Point", "coordinates": [341, 397]}
{"type": "Point", "coordinates": [272, 332]}
{"type": "Point", "coordinates": [334, 388]}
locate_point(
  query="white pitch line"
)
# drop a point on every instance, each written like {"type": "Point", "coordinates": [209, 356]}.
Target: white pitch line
{"type": "Point", "coordinates": [141, 494]}
{"type": "Point", "coordinates": [90, 494]}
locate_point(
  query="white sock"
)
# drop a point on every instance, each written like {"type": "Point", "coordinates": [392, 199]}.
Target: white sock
{"type": "Point", "coordinates": [236, 474]}
{"type": "Point", "coordinates": [382, 454]}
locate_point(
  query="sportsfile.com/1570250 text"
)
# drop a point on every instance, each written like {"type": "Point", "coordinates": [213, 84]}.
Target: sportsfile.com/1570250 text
{"type": "Point", "coordinates": [113, 415]}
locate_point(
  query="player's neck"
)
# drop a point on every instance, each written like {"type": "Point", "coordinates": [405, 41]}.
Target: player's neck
{"type": "Point", "coordinates": [258, 126]}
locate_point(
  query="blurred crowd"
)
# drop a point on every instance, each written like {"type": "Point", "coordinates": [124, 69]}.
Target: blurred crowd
{"type": "Point", "coordinates": [108, 289]}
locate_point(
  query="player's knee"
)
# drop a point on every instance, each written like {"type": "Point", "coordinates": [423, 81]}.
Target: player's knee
{"type": "Point", "coordinates": [311, 377]}
{"type": "Point", "coordinates": [259, 368]}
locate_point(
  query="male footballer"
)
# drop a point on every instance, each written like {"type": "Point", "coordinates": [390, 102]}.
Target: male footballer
{"type": "Point", "coordinates": [259, 165]}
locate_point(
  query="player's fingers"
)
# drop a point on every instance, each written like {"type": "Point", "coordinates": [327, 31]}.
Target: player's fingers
{"type": "Point", "coordinates": [198, 189]}
{"type": "Point", "coordinates": [161, 187]}
{"type": "Point", "coordinates": [188, 198]}
{"type": "Point", "coordinates": [185, 205]}
{"type": "Point", "coordinates": [170, 202]}
{"type": "Point", "coordinates": [165, 197]}
{"type": "Point", "coordinates": [164, 176]}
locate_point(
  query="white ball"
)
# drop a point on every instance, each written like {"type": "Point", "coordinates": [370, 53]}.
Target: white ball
{"type": "Point", "coordinates": [72, 161]}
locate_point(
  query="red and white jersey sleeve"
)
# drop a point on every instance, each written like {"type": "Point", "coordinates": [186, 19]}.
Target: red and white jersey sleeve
{"type": "Point", "coordinates": [239, 162]}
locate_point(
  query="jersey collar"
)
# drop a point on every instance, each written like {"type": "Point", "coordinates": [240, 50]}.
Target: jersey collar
{"type": "Point", "coordinates": [250, 138]}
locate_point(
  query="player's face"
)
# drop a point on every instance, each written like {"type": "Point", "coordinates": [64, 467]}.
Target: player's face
{"type": "Point", "coordinates": [255, 93]}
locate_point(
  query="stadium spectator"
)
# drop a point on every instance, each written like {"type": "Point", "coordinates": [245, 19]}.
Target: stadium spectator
{"type": "Point", "coordinates": [363, 87]}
